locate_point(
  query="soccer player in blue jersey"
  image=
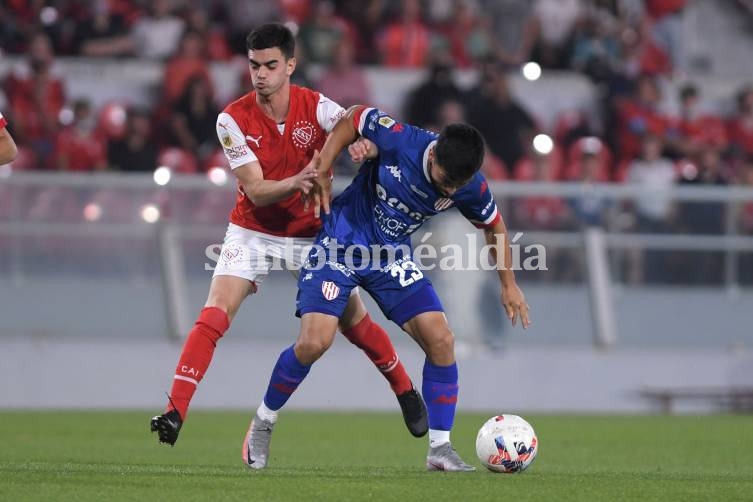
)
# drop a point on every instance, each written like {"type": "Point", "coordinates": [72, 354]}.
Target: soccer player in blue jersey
{"type": "Point", "coordinates": [411, 176]}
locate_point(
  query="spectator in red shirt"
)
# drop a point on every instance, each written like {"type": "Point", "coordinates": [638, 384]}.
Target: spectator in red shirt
{"type": "Point", "coordinates": [188, 62]}
{"type": "Point", "coordinates": [406, 42]}
{"type": "Point", "coordinates": [640, 115]}
{"type": "Point", "coordinates": [79, 146]}
{"type": "Point", "coordinates": [36, 97]}
{"type": "Point", "coordinates": [695, 129]}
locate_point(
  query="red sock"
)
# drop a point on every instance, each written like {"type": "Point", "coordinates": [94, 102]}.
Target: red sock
{"type": "Point", "coordinates": [373, 340]}
{"type": "Point", "coordinates": [196, 356]}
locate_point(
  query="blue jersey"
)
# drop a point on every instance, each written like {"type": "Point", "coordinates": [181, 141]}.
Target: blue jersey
{"type": "Point", "coordinates": [392, 195]}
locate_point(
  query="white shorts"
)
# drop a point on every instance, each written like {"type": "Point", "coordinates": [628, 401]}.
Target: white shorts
{"type": "Point", "coordinates": [251, 255]}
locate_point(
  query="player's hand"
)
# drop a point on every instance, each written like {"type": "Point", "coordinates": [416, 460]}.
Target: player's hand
{"type": "Point", "coordinates": [322, 193]}
{"type": "Point", "coordinates": [362, 149]}
{"type": "Point", "coordinates": [305, 179]}
{"type": "Point", "coordinates": [515, 304]}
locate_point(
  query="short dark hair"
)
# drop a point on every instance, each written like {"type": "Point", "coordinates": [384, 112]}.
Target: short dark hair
{"type": "Point", "coordinates": [688, 91]}
{"type": "Point", "coordinates": [272, 35]}
{"type": "Point", "coordinates": [459, 152]}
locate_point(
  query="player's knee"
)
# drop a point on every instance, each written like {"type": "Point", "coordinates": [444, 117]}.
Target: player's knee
{"type": "Point", "coordinates": [311, 346]}
{"type": "Point", "coordinates": [441, 344]}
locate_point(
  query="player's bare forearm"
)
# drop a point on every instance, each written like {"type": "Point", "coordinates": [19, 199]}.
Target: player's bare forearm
{"type": "Point", "coordinates": [265, 192]}
{"type": "Point", "coordinates": [513, 299]}
{"type": "Point", "coordinates": [343, 134]}
{"type": "Point", "coordinates": [8, 149]}
{"type": "Point", "coordinates": [498, 240]}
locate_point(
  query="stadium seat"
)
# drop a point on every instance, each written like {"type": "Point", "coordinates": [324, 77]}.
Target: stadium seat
{"type": "Point", "coordinates": [592, 145]}
{"type": "Point", "coordinates": [525, 168]}
{"type": "Point", "coordinates": [112, 119]}
{"type": "Point", "coordinates": [216, 159]}
{"type": "Point", "coordinates": [178, 160]}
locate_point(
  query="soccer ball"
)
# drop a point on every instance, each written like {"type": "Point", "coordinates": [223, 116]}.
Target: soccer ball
{"type": "Point", "coordinates": [506, 443]}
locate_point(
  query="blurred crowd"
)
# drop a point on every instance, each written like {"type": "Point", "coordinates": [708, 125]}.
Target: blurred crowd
{"type": "Point", "coordinates": [627, 48]}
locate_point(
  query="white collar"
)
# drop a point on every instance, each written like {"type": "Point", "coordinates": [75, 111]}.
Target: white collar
{"type": "Point", "coordinates": [426, 160]}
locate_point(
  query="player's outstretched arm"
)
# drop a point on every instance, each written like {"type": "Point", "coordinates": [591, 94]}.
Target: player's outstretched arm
{"type": "Point", "coordinates": [512, 297]}
{"type": "Point", "coordinates": [8, 149]}
{"type": "Point", "coordinates": [265, 192]}
{"type": "Point", "coordinates": [343, 134]}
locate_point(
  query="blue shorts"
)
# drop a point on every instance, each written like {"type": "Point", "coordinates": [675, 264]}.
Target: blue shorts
{"type": "Point", "coordinates": [398, 286]}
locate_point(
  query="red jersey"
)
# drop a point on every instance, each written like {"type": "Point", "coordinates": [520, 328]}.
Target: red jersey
{"type": "Point", "coordinates": [85, 151]}
{"type": "Point", "coordinates": [282, 150]}
{"type": "Point", "coordinates": [3, 122]}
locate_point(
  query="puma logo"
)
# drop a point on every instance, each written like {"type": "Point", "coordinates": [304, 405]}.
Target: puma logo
{"type": "Point", "coordinates": [254, 140]}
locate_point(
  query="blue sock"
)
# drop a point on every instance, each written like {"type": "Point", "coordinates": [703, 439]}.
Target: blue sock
{"type": "Point", "coordinates": [440, 388]}
{"type": "Point", "coordinates": [286, 377]}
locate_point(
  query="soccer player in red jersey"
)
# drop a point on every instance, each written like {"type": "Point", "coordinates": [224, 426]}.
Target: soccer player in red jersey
{"type": "Point", "coordinates": [8, 148]}
{"type": "Point", "coordinates": [271, 137]}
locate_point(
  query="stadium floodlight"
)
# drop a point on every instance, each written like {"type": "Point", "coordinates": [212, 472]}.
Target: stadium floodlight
{"type": "Point", "coordinates": [531, 71]}
{"type": "Point", "coordinates": [150, 213]}
{"type": "Point", "coordinates": [65, 117]}
{"type": "Point", "coordinates": [162, 175]}
{"type": "Point", "coordinates": [543, 144]}
{"type": "Point", "coordinates": [92, 211]}
{"type": "Point", "coordinates": [293, 27]}
{"type": "Point", "coordinates": [217, 175]}
{"type": "Point", "coordinates": [48, 15]}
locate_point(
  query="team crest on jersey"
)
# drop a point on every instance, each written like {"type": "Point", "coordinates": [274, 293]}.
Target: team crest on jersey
{"type": "Point", "coordinates": [443, 203]}
{"type": "Point", "coordinates": [227, 141]}
{"type": "Point", "coordinates": [225, 138]}
{"type": "Point", "coordinates": [386, 121]}
{"type": "Point", "coordinates": [330, 290]}
{"type": "Point", "coordinates": [304, 133]}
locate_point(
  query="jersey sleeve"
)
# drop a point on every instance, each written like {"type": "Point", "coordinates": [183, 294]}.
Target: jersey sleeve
{"type": "Point", "coordinates": [328, 113]}
{"type": "Point", "coordinates": [387, 133]}
{"type": "Point", "coordinates": [3, 122]}
{"type": "Point", "coordinates": [476, 202]}
{"type": "Point", "coordinates": [233, 141]}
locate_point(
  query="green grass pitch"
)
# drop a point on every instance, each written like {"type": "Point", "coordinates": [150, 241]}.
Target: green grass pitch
{"type": "Point", "coordinates": [368, 456]}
